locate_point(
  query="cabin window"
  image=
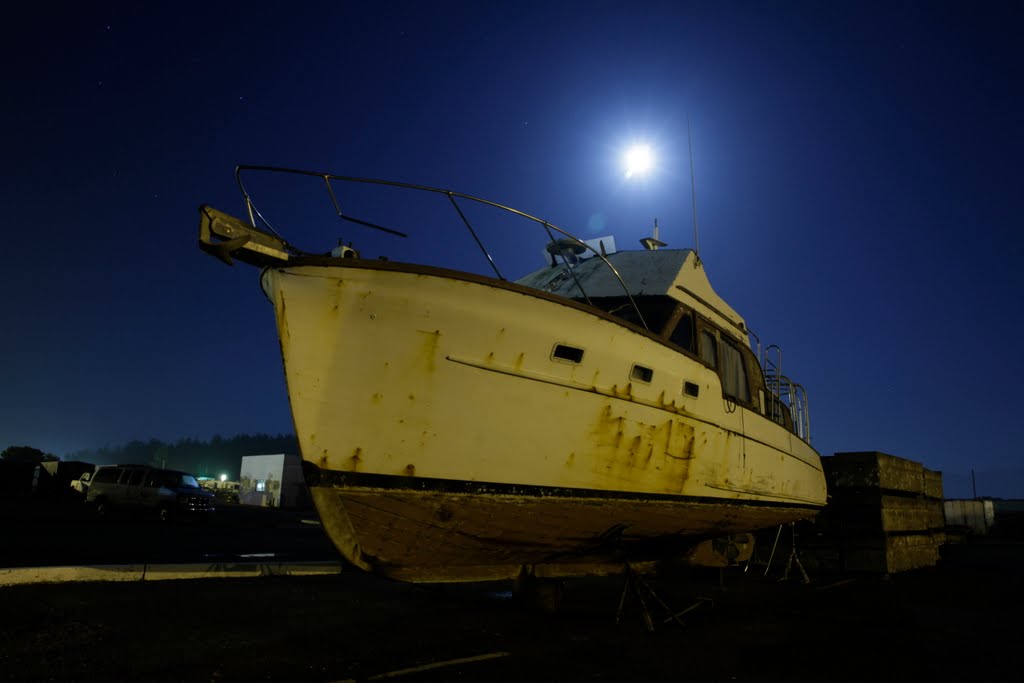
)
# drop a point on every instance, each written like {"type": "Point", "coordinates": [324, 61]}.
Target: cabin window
{"type": "Point", "coordinates": [106, 476]}
{"type": "Point", "coordinates": [567, 353]}
{"type": "Point", "coordinates": [135, 478]}
{"type": "Point", "coordinates": [656, 310]}
{"type": "Point", "coordinates": [683, 334]}
{"type": "Point", "coordinates": [734, 374]}
{"type": "Point", "coordinates": [641, 373]}
{"type": "Point", "coordinates": [709, 348]}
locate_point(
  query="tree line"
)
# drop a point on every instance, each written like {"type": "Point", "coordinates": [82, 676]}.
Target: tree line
{"type": "Point", "coordinates": [211, 458]}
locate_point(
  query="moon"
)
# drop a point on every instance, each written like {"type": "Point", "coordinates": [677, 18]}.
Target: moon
{"type": "Point", "coordinates": [638, 160]}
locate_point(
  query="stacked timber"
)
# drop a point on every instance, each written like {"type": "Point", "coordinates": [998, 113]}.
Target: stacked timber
{"type": "Point", "coordinates": [885, 514]}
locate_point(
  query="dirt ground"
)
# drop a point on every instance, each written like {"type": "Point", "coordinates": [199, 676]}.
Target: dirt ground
{"type": "Point", "coordinates": [48, 533]}
{"type": "Point", "coordinates": [953, 622]}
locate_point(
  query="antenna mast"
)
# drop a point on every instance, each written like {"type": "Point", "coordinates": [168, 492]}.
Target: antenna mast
{"type": "Point", "coordinates": [693, 189]}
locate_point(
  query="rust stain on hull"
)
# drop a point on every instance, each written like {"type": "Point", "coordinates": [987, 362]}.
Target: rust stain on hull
{"type": "Point", "coordinates": [355, 460]}
{"type": "Point", "coordinates": [625, 448]}
{"type": "Point", "coordinates": [429, 349]}
{"type": "Point", "coordinates": [419, 408]}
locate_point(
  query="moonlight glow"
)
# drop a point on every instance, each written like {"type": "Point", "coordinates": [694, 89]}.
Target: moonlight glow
{"type": "Point", "coordinates": [638, 160]}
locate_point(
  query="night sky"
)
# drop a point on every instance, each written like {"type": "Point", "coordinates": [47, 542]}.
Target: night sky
{"type": "Point", "coordinates": [858, 174]}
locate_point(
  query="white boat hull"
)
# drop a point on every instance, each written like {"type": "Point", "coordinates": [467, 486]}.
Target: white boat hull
{"type": "Point", "coordinates": [447, 442]}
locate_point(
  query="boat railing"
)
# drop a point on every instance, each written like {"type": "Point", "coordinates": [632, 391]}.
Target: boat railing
{"type": "Point", "coordinates": [756, 345]}
{"type": "Point", "coordinates": [328, 178]}
{"type": "Point", "coordinates": [771, 363]}
{"type": "Point", "coordinates": [803, 411]}
{"type": "Point", "coordinates": [785, 394]}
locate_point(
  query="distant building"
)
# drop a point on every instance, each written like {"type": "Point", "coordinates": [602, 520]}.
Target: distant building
{"type": "Point", "coordinates": [976, 515]}
{"type": "Point", "coordinates": [987, 516]}
{"type": "Point", "coordinates": [273, 481]}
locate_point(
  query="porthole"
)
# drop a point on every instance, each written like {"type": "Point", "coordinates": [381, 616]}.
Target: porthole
{"type": "Point", "coordinates": [641, 374]}
{"type": "Point", "coordinates": [570, 354]}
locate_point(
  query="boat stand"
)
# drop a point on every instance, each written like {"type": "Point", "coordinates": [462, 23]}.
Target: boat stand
{"type": "Point", "coordinates": [536, 593]}
{"type": "Point", "coordinates": [636, 586]}
{"type": "Point", "coordinates": [794, 557]}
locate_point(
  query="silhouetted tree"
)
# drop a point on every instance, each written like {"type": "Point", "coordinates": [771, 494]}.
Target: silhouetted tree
{"type": "Point", "coordinates": [221, 455]}
{"type": "Point", "coordinates": [26, 454]}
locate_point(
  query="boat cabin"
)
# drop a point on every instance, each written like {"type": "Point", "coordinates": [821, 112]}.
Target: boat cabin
{"type": "Point", "coordinates": [666, 294]}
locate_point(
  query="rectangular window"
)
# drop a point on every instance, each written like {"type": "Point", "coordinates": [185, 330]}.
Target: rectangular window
{"type": "Point", "coordinates": [683, 334]}
{"type": "Point", "coordinates": [734, 374]}
{"type": "Point", "coordinates": [709, 348]}
{"type": "Point", "coordinates": [106, 476]}
{"type": "Point", "coordinates": [656, 311]}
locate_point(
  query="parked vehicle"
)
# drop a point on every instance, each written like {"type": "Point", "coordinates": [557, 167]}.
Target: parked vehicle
{"type": "Point", "coordinates": [167, 493]}
{"type": "Point", "coordinates": [81, 485]}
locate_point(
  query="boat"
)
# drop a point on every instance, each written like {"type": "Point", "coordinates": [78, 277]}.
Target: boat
{"type": "Point", "coordinates": [606, 410]}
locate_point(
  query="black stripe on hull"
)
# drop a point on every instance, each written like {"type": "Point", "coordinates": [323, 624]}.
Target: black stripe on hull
{"type": "Point", "coordinates": [316, 476]}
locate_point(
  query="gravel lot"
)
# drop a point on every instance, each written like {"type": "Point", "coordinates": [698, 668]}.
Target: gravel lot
{"type": "Point", "coordinates": [953, 622]}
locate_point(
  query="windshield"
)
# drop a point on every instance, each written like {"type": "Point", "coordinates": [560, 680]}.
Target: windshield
{"type": "Point", "coordinates": [188, 482]}
{"type": "Point", "coordinates": [176, 480]}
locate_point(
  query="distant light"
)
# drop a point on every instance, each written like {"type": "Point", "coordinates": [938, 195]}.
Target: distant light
{"type": "Point", "coordinates": [223, 477]}
{"type": "Point", "coordinates": [638, 160]}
